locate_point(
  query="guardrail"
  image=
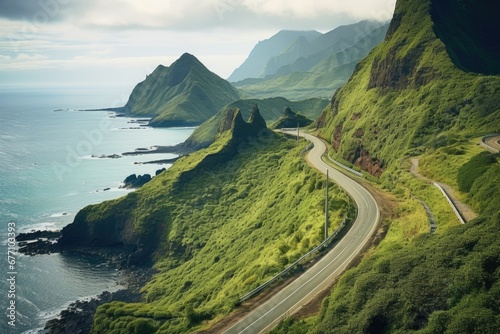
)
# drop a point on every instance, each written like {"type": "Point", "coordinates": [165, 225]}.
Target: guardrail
{"type": "Point", "coordinates": [453, 206]}
{"type": "Point", "coordinates": [488, 147]}
{"type": "Point", "coordinates": [293, 265]}
{"type": "Point", "coordinates": [308, 148]}
{"type": "Point", "coordinates": [345, 167]}
{"type": "Point", "coordinates": [430, 216]}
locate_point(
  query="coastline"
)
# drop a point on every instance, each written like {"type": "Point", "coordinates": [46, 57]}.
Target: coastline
{"type": "Point", "coordinates": [77, 317]}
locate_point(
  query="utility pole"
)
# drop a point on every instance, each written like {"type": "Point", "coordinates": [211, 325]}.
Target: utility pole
{"type": "Point", "coordinates": [298, 134]}
{"type": "Point", "coordinates": [326, 207]}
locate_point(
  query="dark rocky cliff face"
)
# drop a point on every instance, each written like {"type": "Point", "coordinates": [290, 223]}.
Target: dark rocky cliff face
{"type": "Point", "coordinates": [470, 30]}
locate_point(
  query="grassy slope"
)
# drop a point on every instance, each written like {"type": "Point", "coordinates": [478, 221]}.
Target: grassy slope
{"type": "Point", "coordinates": [448, 282]}
{"type": "Point", "coordinates": [184, 93]}
{"type": "Point", "coordinates": [271, 109]}
{"type": "Point", "coordinates": [223, 231]}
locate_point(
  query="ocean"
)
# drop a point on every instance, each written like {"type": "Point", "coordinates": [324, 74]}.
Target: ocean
{"type": "Point", "coordinates": [49, 171]}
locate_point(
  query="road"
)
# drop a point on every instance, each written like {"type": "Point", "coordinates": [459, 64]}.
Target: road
{"type": "Point", "coordinates": [301, 291]}
{"type": "Point", "coordinates": [493, 142]}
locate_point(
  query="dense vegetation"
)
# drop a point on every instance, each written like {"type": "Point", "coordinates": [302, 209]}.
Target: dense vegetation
{"type": "Point", "coordinates": [448, 282]}
{"type": "Point", "coordinates": [222, 221]}
{"type": "Point", "coordinates": [408, 98]}
{"type": "Point", "coordinates": [408, 95]}
{"type": "Point", "coordinates": [271, 109]}
{"type": "Point", "coordinates": [226, 218]}
{"type": "Point", "coordinates": [185, 93]}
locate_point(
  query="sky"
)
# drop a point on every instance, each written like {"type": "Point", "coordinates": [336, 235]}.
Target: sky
{"type": "Point", "coordinates": [52, 43]}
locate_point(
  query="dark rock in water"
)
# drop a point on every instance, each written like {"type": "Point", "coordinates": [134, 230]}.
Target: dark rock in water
{"type": "Point", "coordinates": [38, 235]}
{"type": "Point", "coordinates": [38, 242]}
{"type": "Point", "coordinates": [159, 171]}
{"type": "Point", "coordinates": [134, 181]}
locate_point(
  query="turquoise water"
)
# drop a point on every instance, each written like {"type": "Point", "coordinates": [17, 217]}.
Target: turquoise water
{"type": "Point", "coordinates": [48, 174]}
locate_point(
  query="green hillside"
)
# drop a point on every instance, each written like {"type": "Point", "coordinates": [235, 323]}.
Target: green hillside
{"type": "Point", "coordinates": [183, 94]}
{"type": "Point", "coordinates": [271, 110]}
{"type": "Point", "coordinates": [217, 224]}
{"type": "Point", "coordinates": [407, 95]}
{"type": "Point", "coordinates": [411, 97]}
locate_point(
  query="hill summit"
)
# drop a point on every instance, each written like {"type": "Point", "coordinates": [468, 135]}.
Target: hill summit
{"type": "Point", "coordinates": [184, 94]}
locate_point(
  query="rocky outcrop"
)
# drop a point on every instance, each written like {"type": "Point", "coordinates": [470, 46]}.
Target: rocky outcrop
{"type": "Point", "coordinates": [365, 161]}
{"type": "Point", "coordinates": [256, 120]}
{"type": "Point", "coordinates": [134, 181]}
{"type": "Point", "coordinates": [290, 119]}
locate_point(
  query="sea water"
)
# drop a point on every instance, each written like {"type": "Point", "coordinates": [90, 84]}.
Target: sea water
{"type": "Point", "coordinates": [47, 174]}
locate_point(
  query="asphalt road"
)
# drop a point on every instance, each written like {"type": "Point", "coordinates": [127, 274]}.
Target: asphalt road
{"type": "Point", "coordinates": [493, 142]}
{"type": "Point", "coordinates": [301, 291]}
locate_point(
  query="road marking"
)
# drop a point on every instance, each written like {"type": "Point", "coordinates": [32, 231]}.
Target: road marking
{"type": "Point", "coordinates": [356, 231]}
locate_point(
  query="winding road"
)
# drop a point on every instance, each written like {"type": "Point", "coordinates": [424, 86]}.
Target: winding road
{"type": "Point", "coordinates": [320, 276]}
{"type": "Point", "coordinates": [492, 143]}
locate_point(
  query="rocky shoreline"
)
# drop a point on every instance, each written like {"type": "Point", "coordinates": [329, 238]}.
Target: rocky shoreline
{"type": "Point", "coordinates": [78, 317]}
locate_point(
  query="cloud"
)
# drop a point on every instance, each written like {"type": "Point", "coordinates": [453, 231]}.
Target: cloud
{"type": "Point", "coordinates": [104, 39]}
{"type": "Point", "coordinates": [194, 14]}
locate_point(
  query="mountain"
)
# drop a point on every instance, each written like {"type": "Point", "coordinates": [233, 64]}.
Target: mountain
{"type": "Point", "coordinates": [290, 119]}
{"type": "Point", "coordinates": [265, 50]}
{"type": "Point", "coordinates": [270, 109]}
{"type": "Point", "coordinates": [428, 93]}
{"type": "Point", "coordinates": [183, 94]}
{"type": "Point", "coordinates": [409, 92]}
{"type": "Point", "coordinates": [320, 73]}
{"type": "Point", "coordinates": [325, 45]}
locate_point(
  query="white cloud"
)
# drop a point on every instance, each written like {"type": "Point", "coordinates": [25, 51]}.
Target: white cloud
{"type": "Point", "coordinates": [381, 9]}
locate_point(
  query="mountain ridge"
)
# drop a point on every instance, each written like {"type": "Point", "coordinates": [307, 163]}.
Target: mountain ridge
{"type": "Point", "coordinates": [319, 73]}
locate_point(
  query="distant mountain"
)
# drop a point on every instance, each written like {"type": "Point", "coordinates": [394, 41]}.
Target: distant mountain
{"type": "Point", "coordinates": [332, 42]}
{"type": "Point", "coordinates": [270, 109]}
{"type": "Point", "coordinates": [319, 74]}
{"type": "Point", "coordinates": [290, 119]}
{"type": "Point", "coordinates": [265, 50]}
{"type": "Point", "coordinates": [183, 94]}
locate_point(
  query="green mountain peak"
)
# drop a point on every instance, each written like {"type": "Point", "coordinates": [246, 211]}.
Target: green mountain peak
{"type": "Point", "coordinates": [185, 93]}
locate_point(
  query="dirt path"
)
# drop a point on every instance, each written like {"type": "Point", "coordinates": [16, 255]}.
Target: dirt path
{"type": "Point", "coordinates": [465, 211]}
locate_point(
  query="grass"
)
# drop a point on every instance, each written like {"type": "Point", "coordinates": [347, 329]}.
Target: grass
{"type": "Point", "coordinates": [415, 282]}
{"type": "Point", "coordinates": [224, 231]}
{"type": "Point", "coordinates": [389, 114]}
